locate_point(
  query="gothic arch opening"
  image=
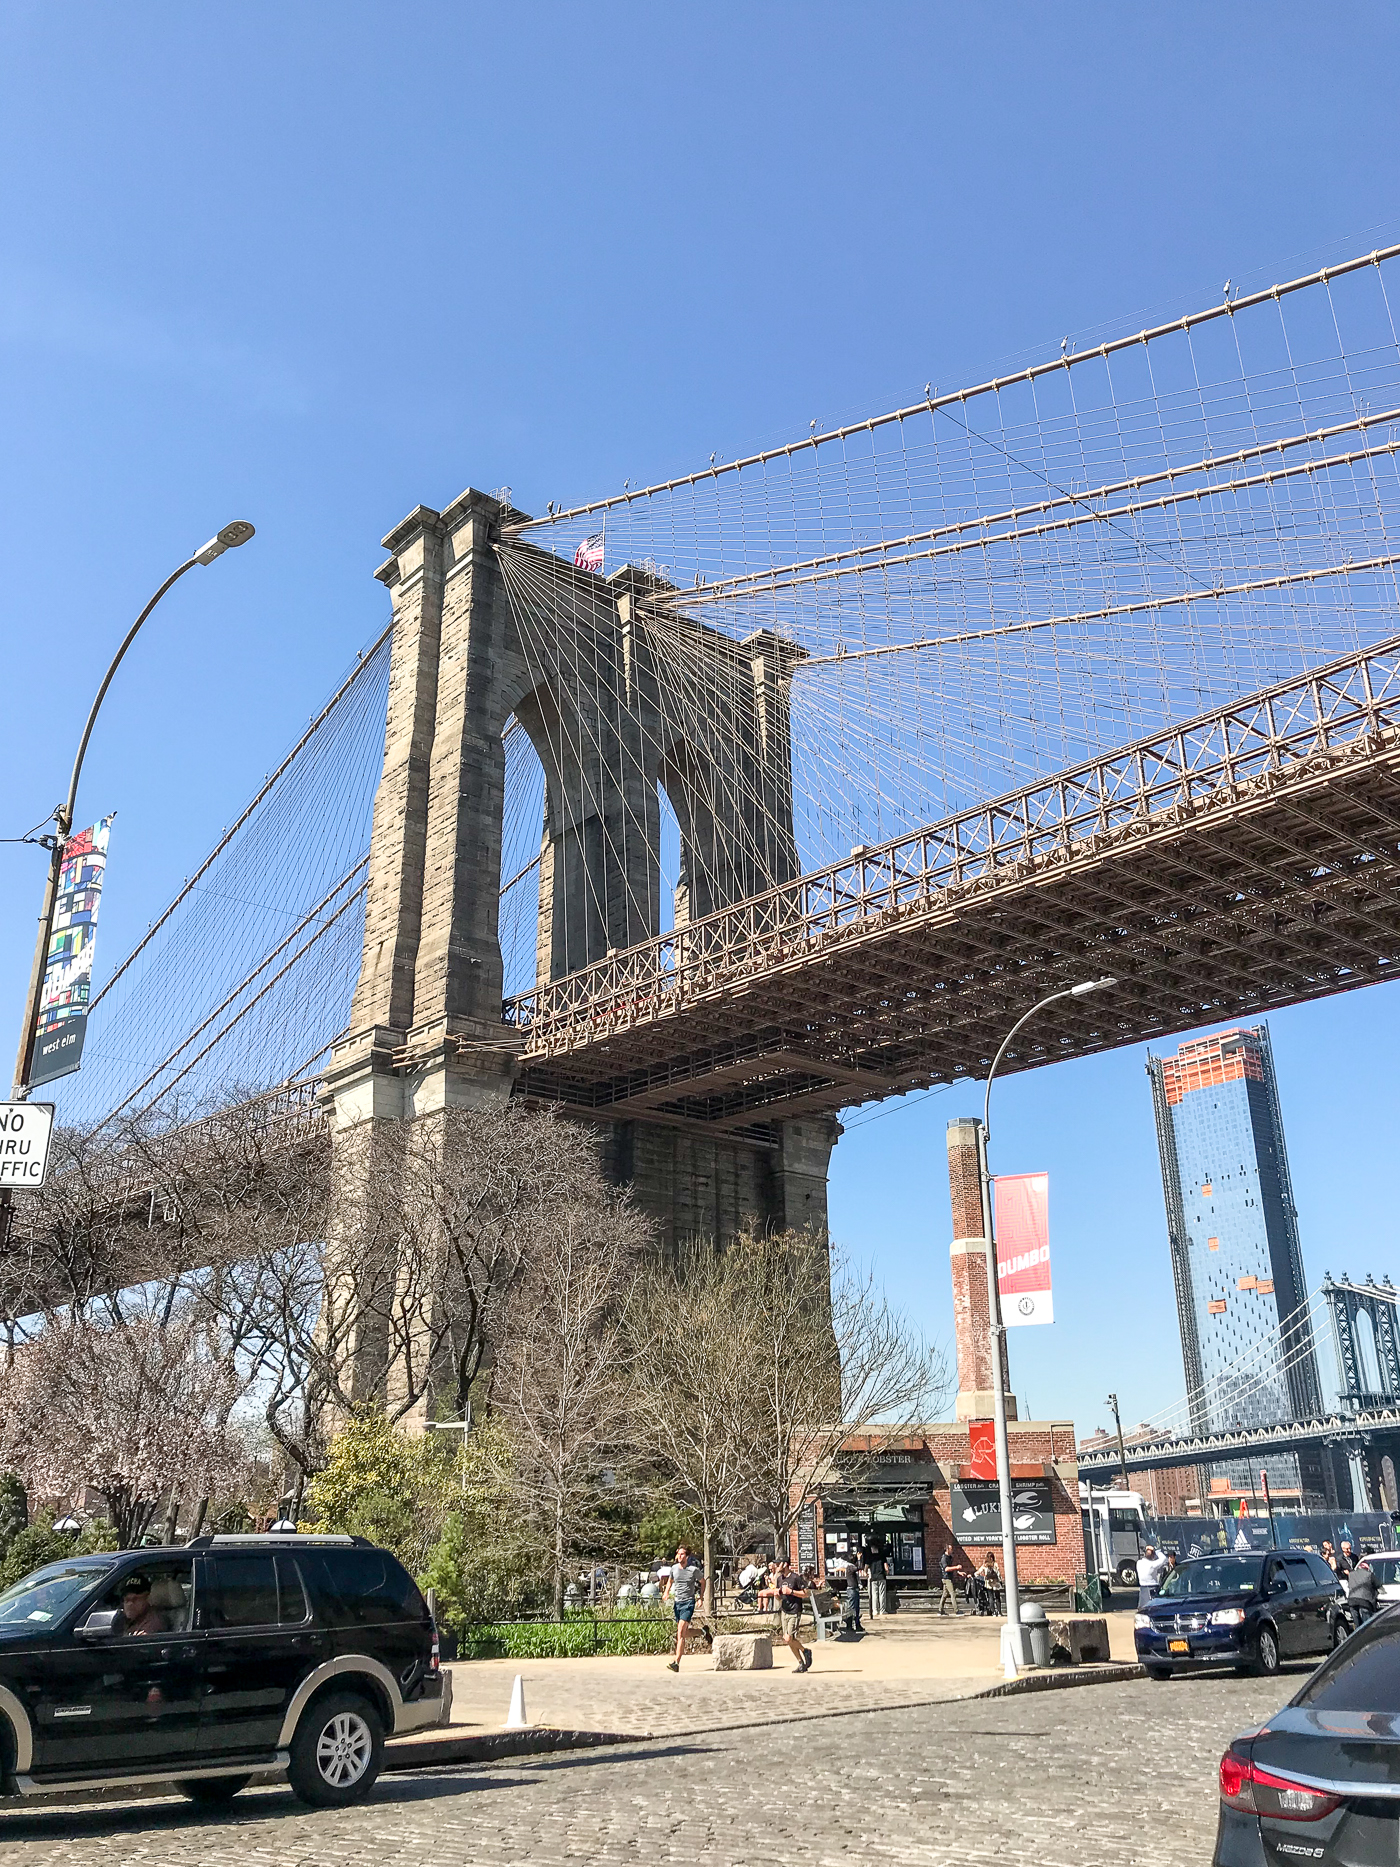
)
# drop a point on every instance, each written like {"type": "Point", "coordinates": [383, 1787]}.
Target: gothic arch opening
{"type": "Point", "coordinates": [1367, 1360]}
{"type": "Point", "coordinates": [522, 819]}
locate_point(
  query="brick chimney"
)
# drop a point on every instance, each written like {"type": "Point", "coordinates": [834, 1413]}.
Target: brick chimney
{"type": "Point", "coordinates": [971, 1306]}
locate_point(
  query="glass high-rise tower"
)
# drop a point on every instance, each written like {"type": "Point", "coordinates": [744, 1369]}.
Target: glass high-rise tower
{"type": "Point", "coordinates": [1236, 1257]}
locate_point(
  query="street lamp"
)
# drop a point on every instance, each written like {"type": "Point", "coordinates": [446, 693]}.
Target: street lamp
{"type": "Point", "coordinates": [1015, 1643]}
{"type": "Point", "coordinates": [238, 533]}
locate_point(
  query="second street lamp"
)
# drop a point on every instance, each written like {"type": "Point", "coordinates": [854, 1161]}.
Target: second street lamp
{"type": "Point", "coordinates": [237, 533]}
{"type": "Point", "coordinates": [1015, 1644]}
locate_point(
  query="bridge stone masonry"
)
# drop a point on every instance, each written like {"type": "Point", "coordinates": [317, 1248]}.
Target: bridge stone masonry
{"type": "Point", "coordinates": [426, 1030]}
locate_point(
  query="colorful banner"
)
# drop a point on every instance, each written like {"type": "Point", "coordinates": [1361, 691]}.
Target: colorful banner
{"type": "Point", "coordinates": [1023, 1247]}
{"type": "Point", "coordinates": [58, 1044]}
{"type": "Point", "coordinates": [982, 1449]}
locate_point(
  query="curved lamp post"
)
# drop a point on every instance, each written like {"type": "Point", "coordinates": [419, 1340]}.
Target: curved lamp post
{"type": "Point", "coordinates": [1014, 1641]}
{"type": "Point", "coordinates": [238, 533]}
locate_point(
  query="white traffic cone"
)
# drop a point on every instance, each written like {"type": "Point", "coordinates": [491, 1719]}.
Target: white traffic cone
{"type": "Point", "coordinates": [515, 1717]}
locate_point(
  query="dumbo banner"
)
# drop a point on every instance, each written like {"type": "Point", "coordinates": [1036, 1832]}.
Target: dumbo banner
{"type": "Point", "coordinates": [1023, 1247]}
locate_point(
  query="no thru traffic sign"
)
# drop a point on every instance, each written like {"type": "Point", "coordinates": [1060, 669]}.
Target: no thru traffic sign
{"type": "Point", "coordinates": [25, 1128]}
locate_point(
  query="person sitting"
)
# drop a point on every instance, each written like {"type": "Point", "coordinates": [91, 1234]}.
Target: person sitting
{"type": "Point", "coordinates": [141, 1619]}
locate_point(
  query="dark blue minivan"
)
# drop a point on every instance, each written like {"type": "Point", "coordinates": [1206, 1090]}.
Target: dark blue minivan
{"type": "Point", "coordinates": [1253, 1611]}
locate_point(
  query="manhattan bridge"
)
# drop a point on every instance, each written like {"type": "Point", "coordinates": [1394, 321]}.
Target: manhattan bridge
{"type": "Point", "coordinates": [710, 808]}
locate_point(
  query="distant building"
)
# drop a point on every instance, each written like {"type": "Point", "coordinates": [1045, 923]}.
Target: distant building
{"type": "Point", "coordinates": [1241, 1298]}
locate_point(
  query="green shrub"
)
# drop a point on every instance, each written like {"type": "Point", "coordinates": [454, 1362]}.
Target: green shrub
{"type": "Point", "coordinates": [380, 1483]}
{"type": "Point", "coordinates": [31, 1548]}
{"type": "Point", "coordinates": [578, 1636]}
{"type": "Point", "coordinates": [14, 1511]}
{"type": "Point", "coordinates": [487, 1566]}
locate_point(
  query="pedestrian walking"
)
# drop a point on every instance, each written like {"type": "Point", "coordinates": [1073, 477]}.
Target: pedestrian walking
{"type": "Point", "coordinates": [682, 1590]}
{"type": "Point", "coordinates": [792, 1598]}
{"type": "Point", "coordinates": [1150, 1570]}
{"type": "Point", "coordinates": [948, 1571]}
{"type": "Point", "coordinates": [879, 1576]}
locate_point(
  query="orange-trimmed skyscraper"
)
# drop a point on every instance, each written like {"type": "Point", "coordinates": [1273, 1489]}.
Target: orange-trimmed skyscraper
{"type": "Point", "coordinates": [1237, 1263]}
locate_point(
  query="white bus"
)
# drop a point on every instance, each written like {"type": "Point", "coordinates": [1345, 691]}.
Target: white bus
{"type": "Point", "coordinates": [1114, 1532]}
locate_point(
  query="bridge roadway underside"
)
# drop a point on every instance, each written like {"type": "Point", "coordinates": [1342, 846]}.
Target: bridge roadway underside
{"type": "Point", "coordinates": [1270, 892]}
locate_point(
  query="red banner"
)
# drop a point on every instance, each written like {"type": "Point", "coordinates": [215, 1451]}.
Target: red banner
{"type": "Point", "coordinates": [1023, 1247]}
{"type": "Point", "coordinates": [982, 1445]}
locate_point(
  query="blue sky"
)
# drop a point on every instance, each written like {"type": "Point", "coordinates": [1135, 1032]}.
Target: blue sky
{"type": "Point", "coordinates": [314, 265]}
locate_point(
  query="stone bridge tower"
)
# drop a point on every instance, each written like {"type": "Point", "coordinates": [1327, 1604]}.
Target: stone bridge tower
{"type": "Point", "coordinates": [472, 648]}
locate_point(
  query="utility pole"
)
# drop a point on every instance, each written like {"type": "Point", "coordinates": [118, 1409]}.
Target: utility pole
{"type": "Point", "coordinates": [1015, 1642]}
{"type": "Point", "coordinates": [1122, 1454]}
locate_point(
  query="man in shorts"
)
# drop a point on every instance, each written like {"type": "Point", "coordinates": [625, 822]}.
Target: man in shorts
{"type": "Point", "coordinates": [792, 1598]}
{"type": "Point", "coordinates": [682, 1591]}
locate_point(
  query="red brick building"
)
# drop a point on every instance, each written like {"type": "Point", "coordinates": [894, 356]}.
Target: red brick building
{"type": "Point", "coordinates": [933, 1488]}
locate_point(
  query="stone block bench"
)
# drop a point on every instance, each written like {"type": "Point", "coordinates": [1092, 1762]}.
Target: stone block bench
{"type": "Point", "coordinates": [1081, 1638]}
{"type": "Point", "coordinates": [743, 1653]}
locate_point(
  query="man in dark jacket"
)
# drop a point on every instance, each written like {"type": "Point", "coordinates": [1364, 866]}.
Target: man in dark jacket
{"type": "Point", "coordinates": [1361, 1592]}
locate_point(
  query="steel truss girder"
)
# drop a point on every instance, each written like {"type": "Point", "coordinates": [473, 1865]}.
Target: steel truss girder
{"type": "Point", "coordinates": [1237, 862]}
{"type": "Point", "coordinates": [1351, 1429]}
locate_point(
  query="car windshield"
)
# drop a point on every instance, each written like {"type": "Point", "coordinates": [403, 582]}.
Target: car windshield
{"type": "Point", "coordinates": [27, 1607]}
{"type": "Point", "coordinates": [1215, 1575]}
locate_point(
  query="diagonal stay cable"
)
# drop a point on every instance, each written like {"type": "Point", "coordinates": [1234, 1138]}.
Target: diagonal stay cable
{"type": "Point", "coordinates": [247, 980]}
{"type": "Point", "coordinates": [219, 1036]}
{"type": "Point", "coordinates": [247, 812]}
{"type": "Point", "coordinates": [1171, 601]}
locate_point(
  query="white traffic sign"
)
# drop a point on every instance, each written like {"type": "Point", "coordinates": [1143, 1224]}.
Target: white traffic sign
{"type": "Point", "coordinates": [25, 1132]}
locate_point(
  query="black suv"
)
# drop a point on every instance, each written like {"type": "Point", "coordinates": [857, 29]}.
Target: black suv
{"type": "Point", "coordinates": [1253, 1610]}
{"type": "Point", "coordinates": [205, 1665]}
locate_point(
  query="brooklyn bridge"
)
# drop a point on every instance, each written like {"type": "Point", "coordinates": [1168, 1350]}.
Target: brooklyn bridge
{"type": "Point", "coordinates": [707, 809]}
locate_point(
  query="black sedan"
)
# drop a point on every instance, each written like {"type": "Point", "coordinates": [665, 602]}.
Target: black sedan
{"type": "Point", "coordinates": [1252, 1611]}
{"type": "Point", "coordinates": [1321, 1780]}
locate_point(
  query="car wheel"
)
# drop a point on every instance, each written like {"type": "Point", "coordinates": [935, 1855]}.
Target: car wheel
{"type": "Point", "coordinates": [212, 1789]}
{"type": "Point", "coordinates": [1266, 1652]}
{"type": "Point", "coordinates": [1339, 1634]}
{"type": "Point", "coordinates": [1159, 1672]}
{"type": "Point", "coordinates": [336, 1751]}
{"type": "Point", "coordinates": [1127, 1575]}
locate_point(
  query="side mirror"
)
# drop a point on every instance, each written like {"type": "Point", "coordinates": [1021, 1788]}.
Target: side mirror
{"type": "Point", "coordinates": [101, 1624]}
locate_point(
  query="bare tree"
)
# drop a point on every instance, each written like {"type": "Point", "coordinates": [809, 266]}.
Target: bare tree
{"type": "Point", "coordinates": [832, 1366]}
{"type": "Point", "coordinates": [137, 1409]}
{"type": "Point", "coordinates": [563, 1374]}
{"type": "Point", "coordinates": [696, 1404]}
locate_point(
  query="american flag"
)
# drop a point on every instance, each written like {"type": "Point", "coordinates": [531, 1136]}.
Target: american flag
{"type": "Point", "coordinates": [589, 555]}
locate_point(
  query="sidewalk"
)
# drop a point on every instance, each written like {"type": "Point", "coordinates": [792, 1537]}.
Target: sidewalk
{"type": "Point", "coordinates": [915, 1660]}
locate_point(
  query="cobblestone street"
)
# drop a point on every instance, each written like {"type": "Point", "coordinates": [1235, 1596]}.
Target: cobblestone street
{"type": "Point", "coordinates": [1121, 1773]}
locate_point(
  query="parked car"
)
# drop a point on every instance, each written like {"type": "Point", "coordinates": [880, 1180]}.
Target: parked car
{"type": "Point", "coordinates": [1321, 1779]}
{"type": "Point", "coordinates": [1252, 1611]}
{"type": "Point", "coordinates": [1384, 1564]}
{"type": "Point", "coordinates": [205, 1665]}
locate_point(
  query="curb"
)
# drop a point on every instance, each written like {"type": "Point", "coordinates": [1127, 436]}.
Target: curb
{"type": "Point", "coordinates": [422, 1753]}
{"type": "Point", "coordinates": [1068, 1676]}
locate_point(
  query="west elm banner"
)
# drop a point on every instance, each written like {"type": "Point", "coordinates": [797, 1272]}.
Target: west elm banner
{"type": "Point", "coordinates": [1023, 1247]}
{"type": "Point", "coordinates": [58, 1044]}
